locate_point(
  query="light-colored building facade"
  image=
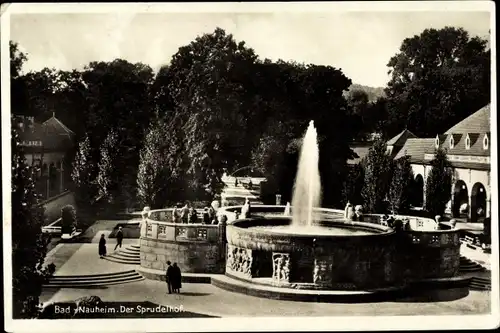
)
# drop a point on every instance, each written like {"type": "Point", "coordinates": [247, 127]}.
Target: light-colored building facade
{"type": "Point", "coordinates": [467, 145]}
{"type": "Point", "coordinates": [46, 145]}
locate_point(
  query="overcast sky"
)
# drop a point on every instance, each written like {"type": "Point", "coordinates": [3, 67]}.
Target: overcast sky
{"type": "Point", "coordinates": [360, 43]}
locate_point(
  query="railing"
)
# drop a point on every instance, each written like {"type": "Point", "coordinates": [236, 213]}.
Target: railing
{"type": "Point", "coordinates": [416, 223]}
{"type": "Point", "coordinates": [157, 227]}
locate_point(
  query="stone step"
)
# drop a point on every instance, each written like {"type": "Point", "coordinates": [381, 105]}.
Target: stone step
{"type": "Point", "coordinates": [81, 281]}
{"type": "Point", "coordinates": [124, 255]}
{"type": "Point", "coordinates": [127, 261]}
{"type": "Point", "coordinates": [88, 280]}
{"type": "Point", "coordinates": [95, 283]}
{"type": "Point", "coordinates": [131, 251]}
{"type": "Point", "coordinates": [94, 277]}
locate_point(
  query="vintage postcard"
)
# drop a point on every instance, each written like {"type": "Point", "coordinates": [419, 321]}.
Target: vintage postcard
{"type": "Point", "coordinates": [249, 166]}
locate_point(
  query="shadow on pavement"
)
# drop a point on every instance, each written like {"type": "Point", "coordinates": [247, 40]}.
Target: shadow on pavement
{"type": "Point", "coordinates": [438, 295]}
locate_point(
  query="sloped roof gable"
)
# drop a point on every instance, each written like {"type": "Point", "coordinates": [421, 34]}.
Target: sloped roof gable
{"type": "Point", "coordinates": [478, 122]}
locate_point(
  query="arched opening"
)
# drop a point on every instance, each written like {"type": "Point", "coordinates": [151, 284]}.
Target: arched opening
{"type": "Point", "coordinates": [418, 191]}
{"type": "Point", "coordinates": [460, 206]}
{"type": "Point", "coordinates": [478, 202]}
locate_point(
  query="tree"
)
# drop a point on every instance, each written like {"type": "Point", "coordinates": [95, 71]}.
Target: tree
{"type": "Point", "coordinates": [84, 172]}
{"type": "Point", "coordinates": [438, 184]}
{"type": "Point", "coordinates": [29, 247]}
{"type": "Point", "coordinates": [400, 190]}
{"type": "Point", "coordinates": [107, 177]}
{"type": "Point", "coordinates": [353, 185]}
{"type": "Point", "coordinates": [378, 167]}
{"type": "Point", "coordinates": [156, 176]}
{"type": "Point", "coordinates": [207, 87]}
{"type": "Point", "coordinates": [17, 84]}
{"type": "Point", "coordinates": [437, 79]}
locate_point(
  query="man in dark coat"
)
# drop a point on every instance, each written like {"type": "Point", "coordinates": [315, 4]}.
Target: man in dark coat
{"type": "Point", "coordinates": [102, 246]}
{"type": "Point", "coordinates": [169, 276]}
{"type": "Point", "coordinates": [119, 238]}
{"type": "Point", "coordinates": [177, 282]}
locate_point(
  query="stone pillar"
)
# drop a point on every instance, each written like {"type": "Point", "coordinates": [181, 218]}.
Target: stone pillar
{"type": "Point", "coordinates": [222, 239]}
{"type": "Point", "coordinates": [322, 274]}
{"type": "Point", "coordinates": [61, 173]}
{"type": "Point", "coordinates": [469, 209]}
{"type": "Point", "coordinates": [488, 207]}
{"type": "Point", "coordinates": [154, 230]}
{"type": "Point", "coordinates": [281, 267]}
{"type": "Point", "coordinates": [48, 186]}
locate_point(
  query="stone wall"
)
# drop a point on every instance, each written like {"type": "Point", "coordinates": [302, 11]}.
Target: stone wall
{"type": "Point", "coordinates": [196, 248]}
{"type": "Point", "coordinates": [345, 262]}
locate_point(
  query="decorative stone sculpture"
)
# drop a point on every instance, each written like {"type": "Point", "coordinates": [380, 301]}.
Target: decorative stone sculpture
{"type": "Point", "coordinates": [245, 210]}
{"type": "Point", "coordinates": [438, 219]}
{"type": "Point", "coordinates": [453, 223]}
{"type": "Point", "coordinates": [144, 222]}
{"type": "Point", "coordinates": [281, 267]}
{"type": "Point", "coordinates": [239, 261]}
{"type": "Point", "coordinates": [322, 271]}
{"type": "Point", "coordinates": [358, 211]}
{"type": "Point", "coordinates": [288, 209]}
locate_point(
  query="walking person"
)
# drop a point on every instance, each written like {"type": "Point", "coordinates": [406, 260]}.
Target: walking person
{"type": "Point", "coordinates": [102, 246]}
{"type": "Point", "coordinates": [177, 283]}
{"type": "Point", "coordinates": [119, 238]}
{"type": "Point", "coordinates": [169, 276]}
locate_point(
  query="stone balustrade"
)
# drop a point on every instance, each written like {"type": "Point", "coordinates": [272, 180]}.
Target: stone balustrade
{"type": "Point", "coordinates": [197, 248]}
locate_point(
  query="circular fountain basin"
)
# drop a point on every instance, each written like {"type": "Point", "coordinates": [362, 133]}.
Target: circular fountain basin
{"type": "Point", "coordinates": [334, 254]}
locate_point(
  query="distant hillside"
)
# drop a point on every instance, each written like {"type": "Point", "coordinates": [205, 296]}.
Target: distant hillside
{"type": "Point", "coordinates": [373, 92]}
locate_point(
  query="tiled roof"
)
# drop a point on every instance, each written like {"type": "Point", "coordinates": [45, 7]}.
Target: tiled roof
{"type": "Point", "coordinates": [53, 134]}
{"type": "Point", "coordinates": [401, 138]}
{"type": "Point", "coordinates": [416, 148]}
{"type": "Point", "coordinates": [478, 122]}
{"type": "Point", "coordinates": [476, 145]}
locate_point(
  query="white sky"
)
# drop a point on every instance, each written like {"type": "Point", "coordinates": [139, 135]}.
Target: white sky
{"type": "Point", "coordinates": [360, 43]}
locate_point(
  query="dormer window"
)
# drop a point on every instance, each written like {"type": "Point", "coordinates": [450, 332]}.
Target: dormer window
{"type": "Point", "coordinates": [452, 142]}
{"type": "Point", "coordinates": [486, 142]}
{"type": "Point", "coordinates": [437, 142]}
{"type": "Point", "coordinates": [467, 142]}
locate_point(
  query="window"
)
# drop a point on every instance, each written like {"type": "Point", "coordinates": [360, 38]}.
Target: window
{"type": "Point", "coordinates": [452, 142]}
{"type": "Point", "coordinates": [437, 142]}
{"type": "Point", "coordinates": [485, 142]}
{"type": "Point", "coordinates": [467, 142]}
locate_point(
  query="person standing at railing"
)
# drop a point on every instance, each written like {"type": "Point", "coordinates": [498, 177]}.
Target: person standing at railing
{"type": "Point", "coordinates": [193, 216]}
{"type": "Point", "coordinates": [185, 213]}
{"type": "Point", "coordinates": [206, 216]}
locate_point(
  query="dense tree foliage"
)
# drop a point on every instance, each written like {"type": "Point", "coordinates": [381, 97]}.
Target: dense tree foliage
{"type": "Point", "coordinates": [353, 185]}
{"type": "Point", "coordinates": [438, 184]}
{"type": "Point", "coordinates": [437, 79]}
{"type": "Point", "coordinates": [29, 245]}
{"type": "Point", "coordinates": [378, 170]}
{"type": "Point", "coordinates": [401, 186]}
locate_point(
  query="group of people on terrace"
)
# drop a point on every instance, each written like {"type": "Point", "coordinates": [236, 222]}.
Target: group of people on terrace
{"type": "Point", "coordinates": [189, 215]}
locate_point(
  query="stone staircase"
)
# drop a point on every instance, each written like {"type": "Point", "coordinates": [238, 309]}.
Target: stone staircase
{"type": "Point", "coordinates": [480, 283]}
{"type": "Point", "coordinates": [467, 266]}
{"type": "Point", "coordinates": [470, 267]}
{"type": "Point", "coordinates": [129, 255]}
{"type": "Point", "coordinates": [95, 280]}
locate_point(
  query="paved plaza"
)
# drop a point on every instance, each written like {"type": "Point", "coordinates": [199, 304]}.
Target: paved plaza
{"type": "Point", "coordinates": [74, 259]}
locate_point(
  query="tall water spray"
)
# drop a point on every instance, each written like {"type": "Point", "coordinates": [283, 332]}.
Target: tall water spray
{"type": "Point", "coordinates": [307, 189]}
